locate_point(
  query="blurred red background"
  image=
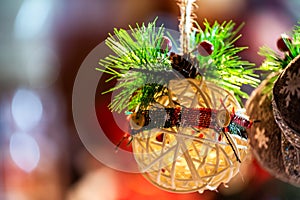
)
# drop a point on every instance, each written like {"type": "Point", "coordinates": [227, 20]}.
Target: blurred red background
{"type": "Point", "coordinates": [43, 44]}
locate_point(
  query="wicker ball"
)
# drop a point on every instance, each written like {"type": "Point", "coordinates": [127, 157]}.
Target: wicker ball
{"type": "Point", "coordinates": [185, 159]}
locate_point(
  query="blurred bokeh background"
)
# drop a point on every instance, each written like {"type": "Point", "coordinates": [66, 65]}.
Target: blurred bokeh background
{"type": "Point", "coordinates": [42, 45]}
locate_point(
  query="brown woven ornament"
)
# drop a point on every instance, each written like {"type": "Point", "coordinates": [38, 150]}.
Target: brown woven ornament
{"type": "Point", "coordinates": [185, 158]}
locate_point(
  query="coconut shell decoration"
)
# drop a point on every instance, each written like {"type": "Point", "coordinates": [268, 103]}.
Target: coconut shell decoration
{"type": "Point", "coordinates": [275, 139]}
{"type": "Point", "coordinates": [182, 96]}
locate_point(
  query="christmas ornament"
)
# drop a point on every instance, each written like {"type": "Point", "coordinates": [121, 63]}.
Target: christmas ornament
{"type": "Point", "coordinates": [275, 139]}
{"type": "Point", "coordinates": [187, 127]}
{"type": "Point", "coordinates": [183, 148]}
{"type": "Point", "coordinates": [265, 136]}
{"type": "Point", "coordinates": [286, 108]}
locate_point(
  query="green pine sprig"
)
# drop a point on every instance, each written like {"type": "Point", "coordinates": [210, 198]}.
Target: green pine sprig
{"type": "Point", "coordinates": [143, 69]}
{"type": "Point", "coordinates": [276, 62]}
{"type": "Point", "coordinates": [224, 66]}
{"type": "Point", "coordinates": [138, 61]}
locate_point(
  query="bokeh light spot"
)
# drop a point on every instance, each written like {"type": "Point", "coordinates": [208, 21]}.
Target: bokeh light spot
{"type": "Point", "coordinates": [24, 151]}
{"type": "Point", "coordinates": [31, 18]}
{"type": "Point", "coordinates": [26, 109]}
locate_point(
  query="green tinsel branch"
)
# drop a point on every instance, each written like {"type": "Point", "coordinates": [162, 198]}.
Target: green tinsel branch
{"type": "Point", "coordinates": [275, 62]}
{"type": "Point", "coordinates": [224, 66]}
{"type": "Point", "coordinates": [138, 62]}
{"type": "Point", "coordinates": [143, 69]}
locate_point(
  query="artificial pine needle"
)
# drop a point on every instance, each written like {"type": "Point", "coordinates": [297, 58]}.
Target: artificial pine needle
{"type": "Point", "coordinates": [143, 69]}
{"type": "Point", "coordinates": [274, 62]}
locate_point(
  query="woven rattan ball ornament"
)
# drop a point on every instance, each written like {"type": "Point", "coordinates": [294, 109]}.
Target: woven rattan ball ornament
{"type": "Point", "coordinates": [183, 100]}
{"type": "Point", "coordinates": [184, 158]}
